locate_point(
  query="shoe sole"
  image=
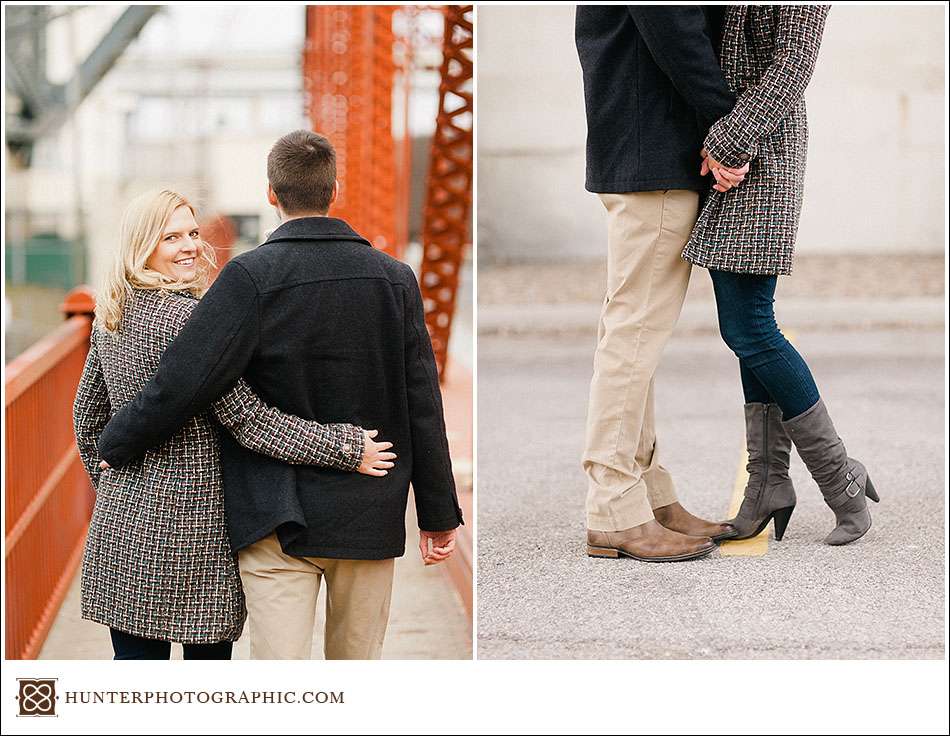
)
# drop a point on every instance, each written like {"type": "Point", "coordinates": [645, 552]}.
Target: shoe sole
{"type": "Point", "coordinates": [614, 553]}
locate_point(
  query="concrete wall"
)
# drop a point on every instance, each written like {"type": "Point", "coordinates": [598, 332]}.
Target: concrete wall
{"type": "Point", "coordinates": [875, 179]}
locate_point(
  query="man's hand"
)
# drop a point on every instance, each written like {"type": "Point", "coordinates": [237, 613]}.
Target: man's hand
{"type": "Point", "coordinates": [443, 545]}
{"type": "Point", "coordinates": [376, 460]}
{"type": "Point", "coordinates": [726, 178]}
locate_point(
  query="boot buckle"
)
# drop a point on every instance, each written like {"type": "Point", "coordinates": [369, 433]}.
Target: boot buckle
{"type": "Point", "coordinates": [852, 482]}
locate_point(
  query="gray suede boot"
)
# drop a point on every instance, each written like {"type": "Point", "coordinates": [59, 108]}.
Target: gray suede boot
{"type": "Point", "coordinates": [769, 494]}
{"type": "Point", "coordinates": [843, 481]}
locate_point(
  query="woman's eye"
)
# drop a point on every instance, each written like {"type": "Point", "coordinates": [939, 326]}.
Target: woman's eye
{"type": "Point", "coordinates": [170, 238]}
{"type": "Point", "coordinates": [194, 233]}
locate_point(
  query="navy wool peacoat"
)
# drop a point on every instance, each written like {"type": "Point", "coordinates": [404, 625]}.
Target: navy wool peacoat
{"type": "Point", "coordinates": [652, 88]}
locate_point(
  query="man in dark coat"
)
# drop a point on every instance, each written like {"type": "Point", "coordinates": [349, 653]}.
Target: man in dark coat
{"type": "Point", "coordinates": [326, 327]}
{"type": "Point", "coordinates": [652, 88]}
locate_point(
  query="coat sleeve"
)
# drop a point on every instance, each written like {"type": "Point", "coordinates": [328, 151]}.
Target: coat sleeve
{"type": "Point", "coordinates": [433, 484]}
{"type": "Point", "coordinates": [677, 39]}
{"type": "Point", "coordinates": [202, 363]}
{"type": "Point", "coordinates": [267, 430]}
{"type": "Point", "coordinates": [91, 411]}
{"type": "Point", "coordinates": [734, 139]}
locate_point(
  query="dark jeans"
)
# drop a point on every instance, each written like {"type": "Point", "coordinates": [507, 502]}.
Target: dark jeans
{"type": "Point", "coordinates": [129, 646]}
{"type": "Point", "coordinates": [771, 369]}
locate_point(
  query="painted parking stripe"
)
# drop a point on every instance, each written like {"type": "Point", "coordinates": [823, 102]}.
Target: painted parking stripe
{"type": "Point", "coordinates": [759, 545]}
{"type": "Point", "coordinates": [756, 546]}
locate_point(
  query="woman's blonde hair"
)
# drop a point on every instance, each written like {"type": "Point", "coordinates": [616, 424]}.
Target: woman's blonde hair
{"type": "Point", "coordinates": [143, 224]}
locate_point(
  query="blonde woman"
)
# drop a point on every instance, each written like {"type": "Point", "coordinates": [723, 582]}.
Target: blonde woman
{"type": "Point", "coordinates": [158, 566]}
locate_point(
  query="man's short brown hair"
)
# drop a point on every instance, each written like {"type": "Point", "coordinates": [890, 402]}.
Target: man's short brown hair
{"type": "Point", "coordinates": [301, 168]}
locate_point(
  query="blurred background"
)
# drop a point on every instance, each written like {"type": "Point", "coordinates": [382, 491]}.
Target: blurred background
{"type": "Point", "coordinates": [866, 305]}
{"type": "Point", "coordinates": [105, 101]}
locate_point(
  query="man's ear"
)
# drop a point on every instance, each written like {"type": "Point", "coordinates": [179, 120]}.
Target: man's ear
{"type": "Point", "coordinates": [271, 197]}
{"type": "Point", "coordinates": [336, 191]}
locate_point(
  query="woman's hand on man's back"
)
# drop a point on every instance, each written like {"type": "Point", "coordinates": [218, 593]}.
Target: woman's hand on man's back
{"type": "Point", "coordinates": [376, 458]}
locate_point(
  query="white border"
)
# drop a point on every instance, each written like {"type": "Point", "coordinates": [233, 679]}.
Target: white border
{"type": "Point", "coordinates": [510, 697]}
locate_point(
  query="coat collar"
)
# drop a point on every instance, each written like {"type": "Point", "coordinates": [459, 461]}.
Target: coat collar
{"type": "Point", "coordinates": [314, 228]}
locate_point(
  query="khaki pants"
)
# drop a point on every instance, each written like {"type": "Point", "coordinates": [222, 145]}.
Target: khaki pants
{"type": "Point", "coordinates": [281, 593]}
{"type": "Point", "coordinates": [646, 286]}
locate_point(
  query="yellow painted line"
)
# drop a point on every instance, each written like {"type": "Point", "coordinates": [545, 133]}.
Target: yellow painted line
{"type": "Point", "coordinates": [756, 546]}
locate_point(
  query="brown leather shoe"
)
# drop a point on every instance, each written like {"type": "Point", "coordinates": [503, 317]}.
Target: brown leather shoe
{"type": "Point", "coordinates": [650, 542]}
{"type": "Point", "coordinates": [678, 519]}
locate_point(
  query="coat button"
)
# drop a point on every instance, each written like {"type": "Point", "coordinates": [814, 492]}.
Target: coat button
{"type": "Point", "coordinates": [744, 156]}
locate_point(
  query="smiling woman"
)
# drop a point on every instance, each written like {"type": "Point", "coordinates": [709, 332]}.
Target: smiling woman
{"type": "Point", "coordinates": [177, 252]}
{"type": "Point", "coordinates": [158, 566]}
{"type": "Point", "coordinates": [159, 248]}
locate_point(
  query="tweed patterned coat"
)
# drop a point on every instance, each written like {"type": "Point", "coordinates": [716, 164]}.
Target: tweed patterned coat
{"type": "Point", "coordinates": [157, 561]}
{"type": "Point", "coordinates": [768, 55]}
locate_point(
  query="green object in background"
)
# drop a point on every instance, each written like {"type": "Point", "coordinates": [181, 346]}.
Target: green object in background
{"type": "Point", "coordinates": [46, 260]}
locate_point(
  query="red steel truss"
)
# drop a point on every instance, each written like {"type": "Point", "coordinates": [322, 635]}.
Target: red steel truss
{"type": "Point", "coordinates": [445, 231]}
{"type": "Point", "coordinates": [352, 60]}
{"type": "Point", "coordinates": [348, 76]}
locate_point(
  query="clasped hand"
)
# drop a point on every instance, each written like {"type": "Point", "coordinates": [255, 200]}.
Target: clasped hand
{"type": "Point", "coordinates": [725, 177]}
{"type": "Point", "coordinates": [442, 545]}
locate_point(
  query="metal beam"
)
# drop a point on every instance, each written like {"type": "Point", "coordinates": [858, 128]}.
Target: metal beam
{"type": "Point", "coordinates": [445, 232]}
{"type": "Point", "coordinates": [107, 52]}
{"type": "Point", "coordinates": [25, 52]}
{"type": "Point", "coordinates": [20, 23]}
{"type": "Point", "coordinates": [49, 106]}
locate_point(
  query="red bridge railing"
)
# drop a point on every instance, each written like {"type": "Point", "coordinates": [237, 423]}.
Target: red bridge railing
{"type": "Point", "coordinates": [48, 495]}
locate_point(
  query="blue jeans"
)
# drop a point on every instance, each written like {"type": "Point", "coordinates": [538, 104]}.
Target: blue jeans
{"type": "Point", "coordinates": [129, 646]}
{"type": "Point", "coordinates": [770, 368]}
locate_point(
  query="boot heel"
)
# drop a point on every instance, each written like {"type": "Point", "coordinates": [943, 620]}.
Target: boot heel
{"type": "Point", "coordinates": [602, 552]}
{"type": "Point", "coordinates": [780, 519]}
{"type": "Point", "coordinates": [870, 492]}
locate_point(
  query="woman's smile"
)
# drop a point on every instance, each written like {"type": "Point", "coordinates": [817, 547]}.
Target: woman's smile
{"type": "Point", "coordinates": [176, 254]}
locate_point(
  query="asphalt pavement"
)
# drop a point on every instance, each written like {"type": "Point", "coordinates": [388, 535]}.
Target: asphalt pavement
{"type": "Point", "coordinates": [540, 596]}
